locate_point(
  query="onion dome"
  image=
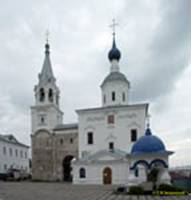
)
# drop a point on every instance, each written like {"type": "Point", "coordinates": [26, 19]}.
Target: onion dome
{"type": "Point", "coordinates": [148, 144]}
{"type": "Point", "coordinates": [114, 53]}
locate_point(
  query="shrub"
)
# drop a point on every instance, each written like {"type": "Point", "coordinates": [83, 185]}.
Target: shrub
{"type": "Point", "coordinates": [168, 188]}
{"type": "Point", "coordinates": [136, 190]}
{"type": "Point", "coordinates": [121, 189]}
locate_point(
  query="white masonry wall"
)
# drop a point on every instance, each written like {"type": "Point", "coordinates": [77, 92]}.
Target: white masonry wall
{"type": "Point", "coordinates": [126, 118]}
{"type": "Point", "coordinates": [8, 160]}
{"type": "Point", "coordinates": [119, 87]}
{"type": "Point", "coordinates": [94, 173]}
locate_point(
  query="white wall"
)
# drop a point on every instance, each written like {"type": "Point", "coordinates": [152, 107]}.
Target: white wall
{"type": "Point", "coordinates": [126, 118]}
{"type": "Point", "coordinates": [52, 117]}
{"type": "Point", "coordinates": [119, 87]}
{"type": "Point", "coordinates": [13, 160]}
{"type": "Point", "coordinates": [94, 172]}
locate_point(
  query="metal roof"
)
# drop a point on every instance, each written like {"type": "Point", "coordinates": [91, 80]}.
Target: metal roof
{"type": "Point", "coordinates": [115, 76]}
{"type": "Point", "coordinates": [12, 140]}
{"type": "Point", "coordinates": [66, 126]}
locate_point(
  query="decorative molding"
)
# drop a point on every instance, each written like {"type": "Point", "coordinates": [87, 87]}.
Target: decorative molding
{"type": "Point", "coordinates": [129, 116]}
{"type": "Point", "coordinates": [89, 128]}
{"type": "Point", "coordinates": [92, 119]}
{"type": "Point", "coordinates": [111, 137]}
{"type": "Point", "coordinates": [134, 124]}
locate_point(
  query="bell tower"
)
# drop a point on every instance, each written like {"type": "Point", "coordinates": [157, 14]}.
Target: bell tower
{"type": "Point", "coordinates": [46, 113]}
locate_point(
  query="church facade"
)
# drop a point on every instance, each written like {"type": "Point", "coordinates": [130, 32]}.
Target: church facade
{"type": "Point", "coordinates": [110, 144]}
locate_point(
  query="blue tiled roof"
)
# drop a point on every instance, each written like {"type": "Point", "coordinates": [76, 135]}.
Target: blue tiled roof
{"type": "Point", "coordinates": [148, 144]}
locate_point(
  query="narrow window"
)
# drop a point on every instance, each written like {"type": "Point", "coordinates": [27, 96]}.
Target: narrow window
{"type": "Point", "coordinates": [82, 173]}
{"type": "Point", "coordinates": [25, 154]}
{"type": "Point", "coordinates": [50, 95]}
{"type": "Point", "coordinates": [42, 95]}
{"type": "Point", "coordinates": [123, 96]}
{"type": "Point", "coordinates": [136, 172]}
{"type": "Point", "coordinates": [61, 141]}
{"type": "Point", "coordinates": [111, 119]}
{"type": "Point", "coordinates": [133, 135]}
{"type": "Point", "coordinates": [4, 150]}
{"type": "Point", "coordinates": [90, 138]}
{"type": "Point", "coordinates": [16, 152]}
{"type": "Point", "coordinates": [113, 96]}
{"type": "Point", "coordinates": [57, 99]}
{"type": "Point", "coordinates": [21, 154]}
{"type": "Point", "coordinates": [42, 120]}
{"type": "Point", "coordinates": [104, 98]}
{"type": "Point", "coordinates": [111, 146]}
{"type": "Point", "coordinates": [10, 152]}
{"type": "Point", "coordinates": [71, 140]}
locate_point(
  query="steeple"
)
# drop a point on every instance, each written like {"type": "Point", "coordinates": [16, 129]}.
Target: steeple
{"type": "Point", "coordinates": [46, 75]}
{"type": "Point", "coordinates": [46, 113]}
{"type": "Point", "coordinates": [114, 54]}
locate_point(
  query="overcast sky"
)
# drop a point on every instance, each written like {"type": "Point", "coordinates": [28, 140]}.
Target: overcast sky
{"type": "Point", "coordinates": [155, 41]}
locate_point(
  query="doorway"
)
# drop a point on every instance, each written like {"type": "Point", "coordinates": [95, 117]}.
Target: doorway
{"type": "Point", "coordinates": [107, 176]}
{"type": "Point", "coordinates": [67, 176]}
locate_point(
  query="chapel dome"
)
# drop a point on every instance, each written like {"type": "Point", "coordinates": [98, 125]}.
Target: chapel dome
{"type": "Point", "coordinates": [115, 76]}
{"type": "Point", "coordinates": [114, 53]}
{"type": "Point", "coordinates": [148, 144]}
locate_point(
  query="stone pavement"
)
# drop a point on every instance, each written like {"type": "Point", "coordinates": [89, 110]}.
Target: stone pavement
{"type": "Point", "coordinates": [61, 191]}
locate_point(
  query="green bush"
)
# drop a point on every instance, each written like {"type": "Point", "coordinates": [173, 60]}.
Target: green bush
{"type": "Point", "coordinates": [136, 190]}
{"type": "Point", "coordinates": [168, 188]}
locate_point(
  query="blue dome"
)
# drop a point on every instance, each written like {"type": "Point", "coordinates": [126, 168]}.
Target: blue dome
{"type": "Point", "coordinates": [148, 144]}
{"type": "Point", "coordinates": [114, 53]}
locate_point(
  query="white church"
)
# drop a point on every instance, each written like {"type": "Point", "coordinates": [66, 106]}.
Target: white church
{"type": "Point", "coordinates": [115, 144]}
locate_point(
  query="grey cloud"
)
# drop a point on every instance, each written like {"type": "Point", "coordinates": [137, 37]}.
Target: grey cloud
{"type": "Point", "coordinates": [151, 56]}
{"type": "Point", "coordinates": [169, 51]}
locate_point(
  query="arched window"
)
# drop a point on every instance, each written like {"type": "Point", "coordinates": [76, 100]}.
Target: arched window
{"type": "Point", "coordinates": [104, 98]}
{"type": "Point", "coordinates": [42, 95]}
{"type": "Point", "coordinates": [57, 98]}
{"type": "Point", "coordinates": [61, 141]}
{"type": "Point", "coordinates": [50, 95]}
{"type": "Point", "coordinates": [82, 173]}
{"type": "Point", "coordinates": [133, 135]}
{"type": "Point", "coordinates": [136, 172]}
{"type": "Point", "coordinates": [123, 96]}
{"type": "Point", "coordinates": [113, 96]}
{"type": "Point", "coordinates": [90, 138]}
{"type": "Point", "coordinates": [42, 120]}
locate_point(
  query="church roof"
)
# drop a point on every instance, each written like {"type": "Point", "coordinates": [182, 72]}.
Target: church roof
{"type": "Point", "coordinates": [116, 153]}
{"type": "Point", "coordinates": [66, 126]}
{"type": "Point", "coordinates": [143, 105]}
{"type": "Point", "coordinates": [148, 144]}
{"type": "Point", "coordinates": [115, 76]}
{"type": "Point", "coordinates": [99, 156]}
{"type": "Point", "coordinates": [11, 139]}
{"type": "Point", "coordinates": [46, 74]}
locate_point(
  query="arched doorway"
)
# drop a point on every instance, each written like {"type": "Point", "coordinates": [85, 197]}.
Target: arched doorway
{"type": "Point", "coordinates": [107, 176]}
{"type": "Point", "coordinates": [67, 168]}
